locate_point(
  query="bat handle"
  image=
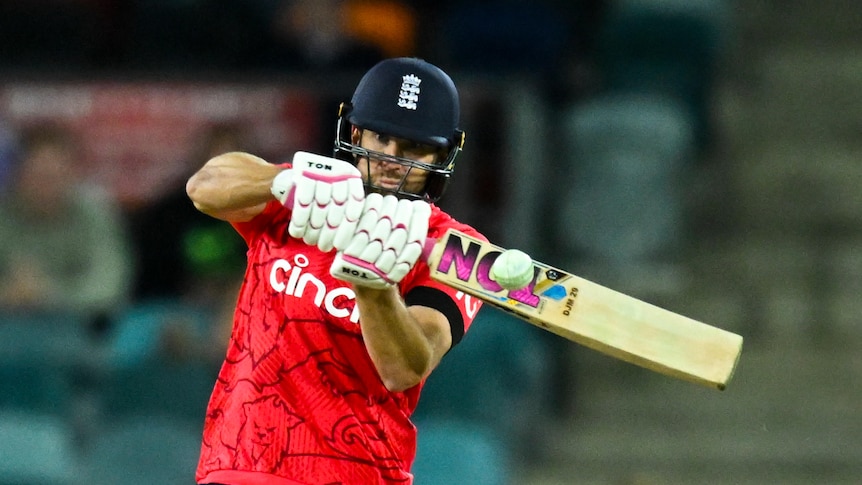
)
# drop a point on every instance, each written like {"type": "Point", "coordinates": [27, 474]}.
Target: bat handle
{"type": "Point", "coordinates": [428, 248]}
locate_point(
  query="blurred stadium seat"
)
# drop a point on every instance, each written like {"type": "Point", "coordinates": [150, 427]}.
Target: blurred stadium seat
{"type": "Point", "coordinates": [143, 450]}
{"type": "Point", "coordinates": [140, 378]}
{"type": "Point", "coordinates": [36, 450]}
{"type": "Point", "coordinates": [665, 46]}
{"type": "Point", "coordinates": [456, 451]}
{"type": "Point", "coordinates": [624, 213]}
{"type": "Point", "coordinates": [509, 36]}
{"type": "Point", "coordinates": [484, 403]}
{"type": "Point", "coordinates": [35, 387]}
{"type": "Point", "coordinates": [496, 376]}
{"type": "Point", "coordinates": [178, 390]}
{"type": "Point", "coordinates": [43, 358]}
{"type": "Point", "coordinates": [136, 332]}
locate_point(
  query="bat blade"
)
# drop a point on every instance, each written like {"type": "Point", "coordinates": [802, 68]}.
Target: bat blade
{"type": "Point", "coordinates": [592, 315]}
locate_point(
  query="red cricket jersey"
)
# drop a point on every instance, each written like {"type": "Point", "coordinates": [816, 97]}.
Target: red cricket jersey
{"type": "Point", "coordinates": [298, 400]}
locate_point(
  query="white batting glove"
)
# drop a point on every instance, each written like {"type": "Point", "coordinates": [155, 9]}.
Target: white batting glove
{"type": "Point", "coordinates": [387, 242]}
{"type": "Point", "coordinates": [326, 196]}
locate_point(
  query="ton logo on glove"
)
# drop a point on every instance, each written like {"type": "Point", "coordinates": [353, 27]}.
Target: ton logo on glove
{"type": "Point", "coordinates": [319, 166]}
{"type": "Point", "coordinates": [354, 273]}
{"type": "Point", "coordinates": [326, 196]}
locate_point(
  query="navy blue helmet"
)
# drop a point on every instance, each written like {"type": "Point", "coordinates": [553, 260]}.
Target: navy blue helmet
{"type": "Point", "coordinates": [407, 98]}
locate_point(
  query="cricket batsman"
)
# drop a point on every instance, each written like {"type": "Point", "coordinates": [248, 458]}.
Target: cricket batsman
{"type": "Point", "coordinates": [337, 323]}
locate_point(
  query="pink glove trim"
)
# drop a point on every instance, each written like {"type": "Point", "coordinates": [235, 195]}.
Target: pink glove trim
{"type": "Point", "coordinates": [366, 265]}
{"type": "Point", "coordinates": [288, 201]}
{"type": "Point", "coordinates": [331, 179]}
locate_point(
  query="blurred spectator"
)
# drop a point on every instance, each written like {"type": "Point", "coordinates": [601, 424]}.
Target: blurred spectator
{"type": "Point", "coordinates": [63, 243]}
{"type": "Point", "coordinates": [48, 33]}
{"type": "Point", "coordinates": [505, 36]}
{"type": "Point", "coordinates": [388, 24]}
{"type": "Point", "coordinates": [185, 290]}
{"type": "Point", "coordinates": [180, 35]}
{"type": "Point", "coordinates": [8, 154]}
{"type": "Point", "coordinates": [174, 243]}
{"type": "Point", "coordinates": [313, 35]}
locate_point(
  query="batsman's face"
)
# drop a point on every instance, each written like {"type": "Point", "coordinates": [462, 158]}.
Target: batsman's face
{"type": "Point", "coordinates": [389, 174]}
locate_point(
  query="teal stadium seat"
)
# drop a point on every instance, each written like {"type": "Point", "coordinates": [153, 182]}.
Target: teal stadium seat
{"type": "Point", "coordinates": [483, 403]}
{"type": "Point", "coordinates": [136, 332]}
{"type": "Point", "coordinates": [496, 376]}
{"type": "Point", "coordinates": [142, 450]}
{"type": "Point", "coordinates": [36, 450]}
{"type": "Point", "coordinates": [140, 379]}
{"type": "Point", "coordinates": [177, 390]}
{"type": "Point", "coordinates": [43, 359]}
{"type": "Point", "coordinates": [457, 451]}
{"type": "Point", "coordinates": [665, 46]}
{"type": "Point", "coordinates": [629, 156]}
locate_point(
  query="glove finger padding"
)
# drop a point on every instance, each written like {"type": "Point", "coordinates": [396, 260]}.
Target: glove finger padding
{"type": "Point", "coordinates": [387, 243]}
{"type": "Point", "coordinates": [282, 187]}
{"type": "Point", "coordinates": [417, 232]}
{"type": "Point", "coordinates": [328, 199]}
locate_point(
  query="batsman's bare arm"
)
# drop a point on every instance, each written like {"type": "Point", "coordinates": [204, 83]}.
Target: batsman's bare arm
{"type": "Point", "coordinates": [233, 186]}
{"type": "Point", "coordinates": [405, 344]}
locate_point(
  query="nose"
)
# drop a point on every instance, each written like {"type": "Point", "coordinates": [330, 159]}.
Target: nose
{"type": "Point", "coordinates": [393, 149]}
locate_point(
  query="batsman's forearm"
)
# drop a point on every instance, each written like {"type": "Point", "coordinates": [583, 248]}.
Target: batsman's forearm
{"type": "Point", "coordinates": [396, 343]}
{"type": "Point", "coordinates": [232, 186]}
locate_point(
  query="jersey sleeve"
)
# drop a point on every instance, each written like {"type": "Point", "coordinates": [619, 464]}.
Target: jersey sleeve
{"type": "Point", "coordinates": [419, 289]}
{"type": "Point", "coordinates": [272, 213]}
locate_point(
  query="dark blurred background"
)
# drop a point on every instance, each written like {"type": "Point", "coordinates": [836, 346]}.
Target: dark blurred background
{"type": "Point", "coordinates": [703, 155]}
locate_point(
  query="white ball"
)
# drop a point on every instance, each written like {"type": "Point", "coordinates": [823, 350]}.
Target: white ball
{"type": "Point", "coordinates": [513, 269]}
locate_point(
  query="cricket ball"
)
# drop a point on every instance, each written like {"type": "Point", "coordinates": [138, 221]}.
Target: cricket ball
{"type": "Point", "coordinates": [513, 269]}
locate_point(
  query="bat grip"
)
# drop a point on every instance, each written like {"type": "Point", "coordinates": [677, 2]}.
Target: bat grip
{"type": "Point", "coordinates": [430, 242]}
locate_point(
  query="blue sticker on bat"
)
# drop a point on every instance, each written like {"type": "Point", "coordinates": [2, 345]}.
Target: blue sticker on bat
{"type": "Point", "coordinates": [556, 292]}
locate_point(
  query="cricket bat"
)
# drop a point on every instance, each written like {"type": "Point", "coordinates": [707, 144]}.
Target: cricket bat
{"type": "Point", "coordinates": [590, 314]}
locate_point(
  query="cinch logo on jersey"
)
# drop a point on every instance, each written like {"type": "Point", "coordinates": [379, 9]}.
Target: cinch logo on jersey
{"type": "Point", "coordinates": [291, 280]}
{"type": "Point", "coordinates": [409, 96]}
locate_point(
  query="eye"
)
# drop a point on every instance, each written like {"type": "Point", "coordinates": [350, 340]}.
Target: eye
{"type": "Point", "coordinates": [383, 139]}
{"type": "Point", "coordinates": [419, 150]}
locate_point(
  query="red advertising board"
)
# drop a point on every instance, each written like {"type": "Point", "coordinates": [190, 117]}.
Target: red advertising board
{"type": "Point", "coordinates": [138, 138]}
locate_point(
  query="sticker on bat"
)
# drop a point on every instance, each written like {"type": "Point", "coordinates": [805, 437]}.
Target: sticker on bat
{"type": "Point", "coordinates": [470, 261]}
